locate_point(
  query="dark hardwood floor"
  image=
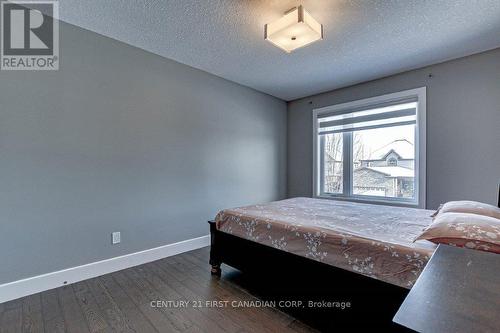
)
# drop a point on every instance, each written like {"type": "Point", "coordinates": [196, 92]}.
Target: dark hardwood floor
{"type": "Point", "coordinates": [121, 302]}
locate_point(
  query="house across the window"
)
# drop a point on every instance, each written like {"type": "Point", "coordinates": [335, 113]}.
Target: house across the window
{"type": "Point", "coordinates": [389, 174]}
{"type": "Point", "coordinates": [372, 149]}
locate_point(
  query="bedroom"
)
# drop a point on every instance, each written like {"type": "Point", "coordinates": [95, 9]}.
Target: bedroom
{"type": "Point", "coordinates": [159, 115]}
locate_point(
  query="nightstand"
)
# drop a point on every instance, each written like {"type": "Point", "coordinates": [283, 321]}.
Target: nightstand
{"type": "Point", "coordinates": [458, 291]}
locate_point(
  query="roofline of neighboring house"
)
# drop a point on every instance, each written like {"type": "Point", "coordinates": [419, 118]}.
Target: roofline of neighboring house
{"type": "Point", "coordinates": [392, 151]}
{"type": "Point", "coordinates": [401, 159]}
{"type": "Point", "coordinates": [383, 173]}
{"type": "Point", "coordinates": [386, 174]}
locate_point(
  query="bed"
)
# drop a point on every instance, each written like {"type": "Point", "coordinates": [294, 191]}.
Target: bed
{"type": "Point", "coordinates": [316, 249]}
{"type": "Point", "coordinates": [372, 240]}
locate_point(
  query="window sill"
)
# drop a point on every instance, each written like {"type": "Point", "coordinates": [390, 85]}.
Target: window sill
{"type": "Point", "coordinates": [371, 200]}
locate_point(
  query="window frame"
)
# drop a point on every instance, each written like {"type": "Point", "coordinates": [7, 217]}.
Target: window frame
{"type": "Point", "coordinates": [419, 199]}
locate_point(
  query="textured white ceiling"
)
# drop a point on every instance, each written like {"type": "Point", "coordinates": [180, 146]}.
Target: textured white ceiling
{"type": "Point", "coordinates": [364, 39]}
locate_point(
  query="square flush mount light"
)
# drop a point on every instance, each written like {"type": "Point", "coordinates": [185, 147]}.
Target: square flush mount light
{"type": "Point", "coordinates": [296, 29]}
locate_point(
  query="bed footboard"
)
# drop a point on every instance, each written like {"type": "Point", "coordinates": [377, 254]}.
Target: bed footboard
{"type": "Point", "coordinates": [276, 275]}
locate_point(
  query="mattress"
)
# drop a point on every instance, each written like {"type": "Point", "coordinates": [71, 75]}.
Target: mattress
{"type": "Point", "coordinates": [373, 240]}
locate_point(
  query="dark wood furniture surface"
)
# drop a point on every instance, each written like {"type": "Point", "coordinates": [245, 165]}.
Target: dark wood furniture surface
{"type": "Point", "coordinates": [458, 291]}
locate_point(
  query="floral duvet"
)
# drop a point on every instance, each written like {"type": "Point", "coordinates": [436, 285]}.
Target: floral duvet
{"type": "Point", "coordinates": [373, 240]}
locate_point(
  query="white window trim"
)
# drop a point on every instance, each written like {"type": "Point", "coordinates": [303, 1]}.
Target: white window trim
{"type": "Point", "coordinates": [420, 159]}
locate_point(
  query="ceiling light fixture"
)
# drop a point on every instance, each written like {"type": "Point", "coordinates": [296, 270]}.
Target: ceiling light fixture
{"type": "Point", "coordinates": [297, 28]}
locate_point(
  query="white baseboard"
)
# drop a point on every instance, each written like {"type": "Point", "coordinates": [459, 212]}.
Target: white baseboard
{"type": "Point", "coordinates": [36, 284]}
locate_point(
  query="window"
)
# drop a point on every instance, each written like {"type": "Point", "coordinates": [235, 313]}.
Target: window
{"type": "Point", "coordinates": [372, 149]}
{"type": "Point", "coordinates": [332, 162]}
{"type": "Point", "coordinates": [392, 162]}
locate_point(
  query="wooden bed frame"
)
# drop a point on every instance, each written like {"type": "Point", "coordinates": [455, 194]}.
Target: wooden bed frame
{"type": "Point", "coordinates": [279, 276]}
{"type": "Point", "coordinates": [282, 276]}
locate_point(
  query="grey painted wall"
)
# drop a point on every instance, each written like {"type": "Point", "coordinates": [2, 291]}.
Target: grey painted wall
{"type": "Point", "coordinates": [122, 140]}
{"type": "Point", "coordinates": [463, 127]}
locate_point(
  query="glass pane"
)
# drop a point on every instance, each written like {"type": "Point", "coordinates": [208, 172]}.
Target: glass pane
{"type": "Point", "coordinates": [332, 168]}
{"type": "Point", "coordinates": [384, 162]}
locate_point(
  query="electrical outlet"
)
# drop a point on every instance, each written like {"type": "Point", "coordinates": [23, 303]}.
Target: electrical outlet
{"type": "Point", "coordinates": [115, 237]}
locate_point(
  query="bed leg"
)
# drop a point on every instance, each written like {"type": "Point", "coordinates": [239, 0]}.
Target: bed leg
{"type": "Point", "coordinates": [216, 271]}
{"type": "Point", "coordinates": [215, 260]}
